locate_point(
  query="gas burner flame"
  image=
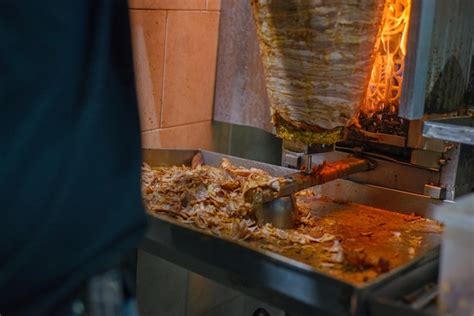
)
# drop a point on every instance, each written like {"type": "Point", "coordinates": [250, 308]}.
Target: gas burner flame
{"type": "Point", "coordinates": [385, 84]}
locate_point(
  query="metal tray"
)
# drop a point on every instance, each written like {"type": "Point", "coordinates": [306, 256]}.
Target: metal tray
{"type": "Point", "coordinates": [288, 284]}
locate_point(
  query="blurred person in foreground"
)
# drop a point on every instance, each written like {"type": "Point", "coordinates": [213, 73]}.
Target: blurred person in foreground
{"type": "Point", "coordinates": [69, 158]}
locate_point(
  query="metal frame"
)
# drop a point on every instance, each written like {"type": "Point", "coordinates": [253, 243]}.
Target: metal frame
{"type": "Point", "coordinates": [417, 60]}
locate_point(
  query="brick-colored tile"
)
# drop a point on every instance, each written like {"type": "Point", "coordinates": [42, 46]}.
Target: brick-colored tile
{"type": "Point", "coordinates": [213, 5]}
{"type": "Point", "coordinates": [191, 136]}
{"type": "Point", "coordinates": [148, 39]}
{"type": "Point", "coordinates": [168, 4]}
{"type": "Point", "coordinates": [190, 66]}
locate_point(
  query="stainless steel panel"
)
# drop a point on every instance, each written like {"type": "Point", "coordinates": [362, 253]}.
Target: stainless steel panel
{"type": "Point", "coordinates": [161, 286]}
{"type": "Point", "coordinates": [254, 143]}
{"type": "Point", "coordinates": [438, 57]}
{"type": "Point", "coordinates": [451, 52]}
{"type": "Point", "coordinates": [237, 140]}
{"type": "Point", "coordinates": [458, 130]}
{"type": "Point", "coordinates": [380, 197]}
{"type": "Point", "coordinates": [241, 93]}
{"type": "Point", "coordinates": [205, 296]}
{"type": "Point", "coordinates": [167, 289]}
{"type": "Point", "coordinates": [417, 141]}
{"type": "Point", "coordinates": [416, 61]}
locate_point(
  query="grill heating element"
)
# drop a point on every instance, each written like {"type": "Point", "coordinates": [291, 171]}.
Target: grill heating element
{"type": "Point", "coordinates": [385, 85]}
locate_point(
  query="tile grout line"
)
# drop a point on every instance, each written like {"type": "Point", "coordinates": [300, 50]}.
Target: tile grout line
{"type": "Point", "coordinates": [207, 4]}
{"type": "Point", "coordinates": [216, 65]}
{"type": "Point", "coordinates": [164, 70]}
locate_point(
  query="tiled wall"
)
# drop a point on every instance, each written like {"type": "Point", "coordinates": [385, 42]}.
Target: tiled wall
{"type": "Point", "coordinates": [175, 48]}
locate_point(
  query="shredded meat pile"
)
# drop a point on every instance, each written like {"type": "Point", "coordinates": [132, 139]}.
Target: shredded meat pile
{"type": "Point", "coordinates": [213, 199]}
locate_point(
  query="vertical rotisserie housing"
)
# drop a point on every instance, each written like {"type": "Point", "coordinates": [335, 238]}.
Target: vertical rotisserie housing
{"type": "Point", "coordinates": [317, 57]}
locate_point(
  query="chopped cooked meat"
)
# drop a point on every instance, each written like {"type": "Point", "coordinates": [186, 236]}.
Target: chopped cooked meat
{"type": "Point", "coordinates": [207, 196]}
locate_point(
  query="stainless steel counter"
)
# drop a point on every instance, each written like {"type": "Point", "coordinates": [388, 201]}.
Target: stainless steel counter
{"type": "Point", "coordinates": [279, 281]}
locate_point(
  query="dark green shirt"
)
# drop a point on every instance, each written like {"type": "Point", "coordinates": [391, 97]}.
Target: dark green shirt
{"type": "Point", "coordinates": [70, 203]}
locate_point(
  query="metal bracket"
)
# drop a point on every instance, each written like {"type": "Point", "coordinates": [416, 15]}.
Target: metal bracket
{"type": "Point", "coordinates": [435, 191]}
{"type": "Point", "coordinates": [299, 156]}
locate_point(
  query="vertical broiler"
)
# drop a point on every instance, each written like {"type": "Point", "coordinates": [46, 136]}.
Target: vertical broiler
{"type": "Point", "coordinates": [363, 77]}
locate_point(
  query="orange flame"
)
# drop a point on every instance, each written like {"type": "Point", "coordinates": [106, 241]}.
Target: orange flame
{"type": "Point", "coordinates": [385, 85]}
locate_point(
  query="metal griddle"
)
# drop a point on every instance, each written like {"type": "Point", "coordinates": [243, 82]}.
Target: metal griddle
{"type": "Point", "coordinates": [291, 285]}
